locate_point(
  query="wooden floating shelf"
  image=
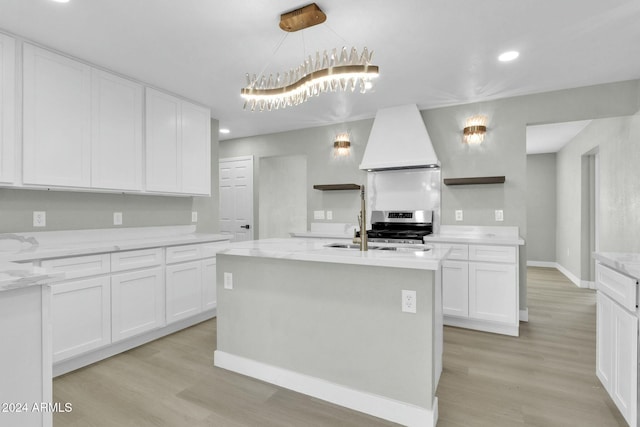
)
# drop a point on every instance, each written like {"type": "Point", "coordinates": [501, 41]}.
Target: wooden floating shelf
{"type": "Point", "coordinates": [334, 187]}
{"type": "Point", "coordinates": [475, 180]}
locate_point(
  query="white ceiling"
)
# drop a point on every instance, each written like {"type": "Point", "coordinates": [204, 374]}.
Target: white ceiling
{"type": "Point", "coordinates": [551, 138]}
{"type": "Point", "coordinates": [431, 53]}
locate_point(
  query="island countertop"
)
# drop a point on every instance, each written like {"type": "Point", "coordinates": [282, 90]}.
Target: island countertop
{"type": "Point", "coordinates": [17, 276]}
{"type": "Point", "coordinates": [313, 249]}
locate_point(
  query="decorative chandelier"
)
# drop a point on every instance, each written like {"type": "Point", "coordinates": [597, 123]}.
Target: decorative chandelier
{"type": "Point", "coordinates": [329, 72]}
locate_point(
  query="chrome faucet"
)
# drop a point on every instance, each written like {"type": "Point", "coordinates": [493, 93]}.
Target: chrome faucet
{"type": "Point", "coordinates": [362, 222]}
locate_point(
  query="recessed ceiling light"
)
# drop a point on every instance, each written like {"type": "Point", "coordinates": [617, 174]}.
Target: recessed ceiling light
{"type": "Point", "coordinates": [224, 130]}
{"type": "Point", "coordinates": [508, 56]}
{"type": "Point", "coordinates": [61, 1]}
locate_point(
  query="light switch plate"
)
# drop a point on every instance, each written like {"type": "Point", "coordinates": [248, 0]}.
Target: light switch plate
{"type": "Point", "coordinates": [318, 214]}
{"type": "Point", "coordinates": [458, 215]}
{"type": "Point", "coordinates": [329, 215]}
{"type": "Point", "coordinates": [228, 280]}
{"type": "Point", "coordinates": [194, 216]}
{"type": "Point", "coordinates": [39, 218]}
{"type": "Point", "coordinates": [117, 218]}
{"type": "Point", "coordinates": [499, 215]}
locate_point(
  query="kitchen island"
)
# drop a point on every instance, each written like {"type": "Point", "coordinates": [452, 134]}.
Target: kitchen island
{"type": "Point", "coordinates": [329, 322]}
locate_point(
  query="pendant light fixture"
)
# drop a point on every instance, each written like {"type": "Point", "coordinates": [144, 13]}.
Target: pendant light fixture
{"type": "Point", "coordinates": [344, 70]}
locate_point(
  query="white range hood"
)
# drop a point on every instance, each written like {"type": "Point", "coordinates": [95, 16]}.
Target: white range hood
{"type": "Point", "coordinates": [399, 140]}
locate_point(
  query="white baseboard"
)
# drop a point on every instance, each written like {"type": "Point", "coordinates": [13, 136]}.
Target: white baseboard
{"type": "Point", "coordinates": [570, 275]}
{"type": "Point", "coordinates": [372, 404]}
{"type": "Point", "coordinates": [587, 284]}
{"type": "Point", "coordinates": [524, 315]}
{"type": "Point", "coordinates": [548, 264]}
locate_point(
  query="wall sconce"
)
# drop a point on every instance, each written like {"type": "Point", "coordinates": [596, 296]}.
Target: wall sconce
{"type": "Point", "coordinates": [342, 145]}
{"type": "Point", "coordinates": [474, 130]}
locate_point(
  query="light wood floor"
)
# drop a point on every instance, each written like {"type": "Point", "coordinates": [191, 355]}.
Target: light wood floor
{"type": "Point", "coordinates": [545, 377]}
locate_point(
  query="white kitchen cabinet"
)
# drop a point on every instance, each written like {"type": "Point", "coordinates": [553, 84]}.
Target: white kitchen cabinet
{"type": "Point", "coordinates": [184, 290]}
{"type": "Point", "coordinates": [455, 295]}
{"type": "Point", "coordinates": [137, 302]}
{"type": "Point", "coordinates": [56, 119]}
{"type": "Point", "coordinates": [617, 339]}
{"type": "Point", "coordinates": [493, 292]}
{"type": "Point", "coordinates": [177, 145]}
{"type": "Point", "coordinates": [116, 132]}
{"type": "Point", "coordinates": [81, 316]}
{"type": "Point", "coordinates": [209, 299]}
{"type": "Point", "coordinates": [7, 109]}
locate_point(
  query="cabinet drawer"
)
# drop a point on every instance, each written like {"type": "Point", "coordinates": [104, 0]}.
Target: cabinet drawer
{"type": "Point", "coordinates": [492, 253]}
{"type": "Point", "coordinates": [82, 266]}
{"type": "Point", "coordinates": [183, 253]}
{"type": "Point", "coordinates": [457, 251]}
{"type": "Point", "coordinates": [617, 286]}
{"type": "Point", "coordinates": [211, 249]}
{"type": "Point", "coordinates": [130, 260]}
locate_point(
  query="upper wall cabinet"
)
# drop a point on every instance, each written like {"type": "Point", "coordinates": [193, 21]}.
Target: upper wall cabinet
{"type": "Point", "coordinates": [178, 144]}
{"type": "Point", "coordinates": [57, 120]}
{"type": "Point", "coordinates": [7, 108]}
{"type": "Point", "coordinates": [116, 132]}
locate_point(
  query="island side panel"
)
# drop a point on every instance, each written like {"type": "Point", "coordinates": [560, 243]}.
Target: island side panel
{"type": "Point", "coordinates": [338, 322]}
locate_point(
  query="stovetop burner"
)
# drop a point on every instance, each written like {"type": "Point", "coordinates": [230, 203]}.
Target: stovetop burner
{"type": "Point", "coordinates": [400, 226]}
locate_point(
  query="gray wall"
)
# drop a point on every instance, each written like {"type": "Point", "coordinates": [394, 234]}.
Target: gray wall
{"type": "Point", "coordinates": [619, 156]}
{"type": "Point", "coordinates": [502, 153]}
{"type": "Point", "coordinates": [68, 210]}
{"type": "Point", "coordinates": [541, 207]}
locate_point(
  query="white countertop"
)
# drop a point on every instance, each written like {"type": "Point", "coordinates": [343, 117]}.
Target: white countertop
{"type": "Point", "coordinates": [16, 276]}
{"type": "Point", "coordinates": [23, 247]}
{"type": "Point", "coordinates": [57, 244]}
{"type": "Point", "coordinates": [480, 235]}
{"type": "Point", "coordinates": [627, 263]}
{"type": "Point", "coordinates": [311, 249]}
{"type": "Point", "coordinates": [321, 235]}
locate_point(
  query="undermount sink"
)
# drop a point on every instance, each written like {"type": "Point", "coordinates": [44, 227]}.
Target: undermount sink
{"type": "Point", "coordinates": [378, 248]}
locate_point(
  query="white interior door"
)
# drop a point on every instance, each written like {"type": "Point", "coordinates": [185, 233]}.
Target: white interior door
{"type": "Point", "coordinates": [236, 198]}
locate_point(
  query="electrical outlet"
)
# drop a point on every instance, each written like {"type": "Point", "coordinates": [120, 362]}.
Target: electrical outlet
{"type": "Point", "coordinates": [318, 214]}
{"type": "Point", "coordinates": [499, 215]}
{"type": "Point", "coordinates": [194, 216]}
{"type": "Point", "coordinates": [329, 215]}
{"type": "Point", "coordinates": [117, 218]}
{"type": "Point", "coordinates": [39, 218]}
{"type": "Point", "coordinates": [228, 280]}
{"type": "Point", "coordinates": [408, 301]}
{"type": "Point", "coordinates": [459, 215]}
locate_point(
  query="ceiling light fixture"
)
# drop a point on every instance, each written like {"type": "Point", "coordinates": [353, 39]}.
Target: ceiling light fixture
{"type": "Point", "coordinates": [329, 72]}
{"type": "Point", "coordinates": [475, 129]}
{"type": "Point", "coordinates": [508, 56]}
{"type": "Point", "coordinates": [342, 145]}
{"type": "Point", "coordinates": [224, 130]}
{"type": "Point", "coordinates": [61, 1]}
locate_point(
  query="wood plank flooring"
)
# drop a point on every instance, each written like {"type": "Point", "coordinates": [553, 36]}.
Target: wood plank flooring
{"type": "Point", "coordinates": [545, 377]}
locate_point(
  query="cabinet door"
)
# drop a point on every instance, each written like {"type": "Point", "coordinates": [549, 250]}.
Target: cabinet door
{"type": "Point", "coordinates": [209, 299]}
{"type": "Point", "coordinates": [625, 364]}
{"type": "Point", "coordinates": [81, 317]}
{"type": "Point", "coordinates": [196, 149]}
{"type": "Point", "coordinates": [184, 290]}
{"type": "Point", "coordinates": [7, 108]}
{"type": "Point", "coordinates": [493, 292]}
{"type": "Point", "coordinates": [137, 302]}
{"type": "Point", "coordinates": [116, 137]}
{"type": "Point", "coordinates": [56, 122]}
{"type": "Point", "coordinates": [455, 288]}
{"type": "Point", "coordinates": [164, 155]}
{"type": "Point", "coordinates": [604, 340]}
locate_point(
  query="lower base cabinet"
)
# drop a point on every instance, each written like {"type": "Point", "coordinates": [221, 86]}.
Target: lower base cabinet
{"type": "Point", "coordinates": [493, 292]}
{"type": "Point", "coordinates": [81, 316]}
{"type": "Point", "coordinates": [209, 300]}
{"type": "Point", "coordinates": [137, 302]}
{"type": "Point", "coordinates": [455, 291]}
{"type": "Point", "coordinates": [617, 355]}
{"type": "Point", "coordinates": [184, 290]}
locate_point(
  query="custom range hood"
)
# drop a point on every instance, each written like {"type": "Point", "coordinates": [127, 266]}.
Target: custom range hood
{"type": "Point", "coordinates": [399, 140]}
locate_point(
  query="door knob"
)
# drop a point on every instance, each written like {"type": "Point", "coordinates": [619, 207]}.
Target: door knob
{"type": "Point", "coordinates": [245, 226]}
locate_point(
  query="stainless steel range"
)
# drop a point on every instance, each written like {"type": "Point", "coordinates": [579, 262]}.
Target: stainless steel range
{"type": "Point", "coordinates": [400, 226]}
